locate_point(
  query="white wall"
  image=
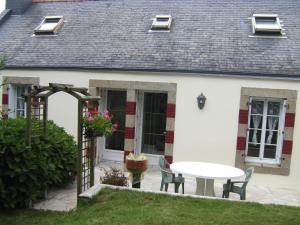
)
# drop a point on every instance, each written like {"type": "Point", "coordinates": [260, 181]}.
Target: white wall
{"type": "Point", "coordinates": [2, 5]}
{"type": "Point", "coordinates": [200, 135]}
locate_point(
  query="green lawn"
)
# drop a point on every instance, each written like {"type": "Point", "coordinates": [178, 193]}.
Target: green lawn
{"type": "Point", "coordinates": [135, 208]}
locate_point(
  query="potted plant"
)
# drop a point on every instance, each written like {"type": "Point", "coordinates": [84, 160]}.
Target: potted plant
{"type": "Point", "coordinates": [97, 124]}
{"type": "Point", "coordinates": [136, 164]}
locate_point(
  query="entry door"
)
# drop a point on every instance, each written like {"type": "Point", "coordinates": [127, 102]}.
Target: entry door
{"type": "Point", "coordinates": [113, 146]}
{"type": "Point", "coordinates": [151, 123]}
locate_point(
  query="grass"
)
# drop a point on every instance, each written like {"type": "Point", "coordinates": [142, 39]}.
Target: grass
{"type": "Point", "coordinates": [112, 207]}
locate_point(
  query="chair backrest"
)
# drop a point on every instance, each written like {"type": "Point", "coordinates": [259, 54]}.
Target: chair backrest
{"type": "Point", "coordinates": [249, 171]}
{"type": "Point", "coordinates": [163, 167]}
{"type": "Point", "coordinates": [162, 163]}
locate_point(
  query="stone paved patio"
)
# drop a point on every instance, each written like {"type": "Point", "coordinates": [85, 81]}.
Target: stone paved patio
{"type": "Point", "coordinates": [65, 199]}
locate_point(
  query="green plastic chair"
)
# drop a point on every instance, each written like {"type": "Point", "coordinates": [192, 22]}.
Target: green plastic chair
{"type": "Point", "coordinates": [168, 177]}
{"type": "Point", "coordinates": [241, 190]}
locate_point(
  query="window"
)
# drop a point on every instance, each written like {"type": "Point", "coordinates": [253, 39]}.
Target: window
{"type": "Point", "coordinates": [161, 23]}
{"type": "Point", "coordinates": [266, 24]}
{"type": "Point", "coordinates": [17, 101]}
{"type": "Point", "coordinates": [50, 25]}
{"type": "Point", "coordinates": [265, 130]}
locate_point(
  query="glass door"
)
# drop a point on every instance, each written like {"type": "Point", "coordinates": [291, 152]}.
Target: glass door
{"type": "Point", "coordinates": [154, 123]}
{"type": "Point", "coordinates": [116, 104]}
{"type": "Point", "coordinates": [111, 148]}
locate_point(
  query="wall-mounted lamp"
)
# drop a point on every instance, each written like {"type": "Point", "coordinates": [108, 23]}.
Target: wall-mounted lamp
{"type": "Point", "coordinates": [201, 101]}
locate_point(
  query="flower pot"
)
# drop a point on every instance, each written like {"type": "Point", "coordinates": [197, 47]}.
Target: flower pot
{"type": "Point", "coordinates": [136, 166]}
{"type": "Point", "coordinates": [90, 133]}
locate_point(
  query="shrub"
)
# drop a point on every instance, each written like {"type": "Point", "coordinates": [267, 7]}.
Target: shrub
{"type": "Point", "coordinates": [62, 155]}
{"type": "Point", "coordinates": [25, 172]}
{"type": "Point", "coordinates": [115, 177]}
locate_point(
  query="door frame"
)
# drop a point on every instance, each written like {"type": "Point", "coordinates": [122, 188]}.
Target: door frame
{"type": "Point", "coordinates": [107, 154]}
{"type": "Point", "coordinates": [96, 85]}
{"type": "Point", "coordinates": [139, 120]}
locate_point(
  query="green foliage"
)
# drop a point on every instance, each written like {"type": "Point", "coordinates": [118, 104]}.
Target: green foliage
{"type": "Point", "coordinates": [136, 157]}
{"type": "Point", "coordinates": [25, 172]}
{"type": "Point", "coordinates": [61, 155]}
{"type": "Point", "coordinates": [2, 62]}
{"type": "Point", "coordinates": [115, 207]}
{"type": "Point", "coordinates": [115, 177]}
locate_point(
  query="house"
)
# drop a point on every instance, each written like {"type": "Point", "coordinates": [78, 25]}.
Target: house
{"type": "Point", "coordinates": [2, 6]}
{"type": "Point", "coordinates": [151, 60]}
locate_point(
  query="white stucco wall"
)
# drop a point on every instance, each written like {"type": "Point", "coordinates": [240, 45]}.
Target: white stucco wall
{"type": "Point", "coordinates": [2, 5]}
{"type": "Point", "coordinates": [200, 135]}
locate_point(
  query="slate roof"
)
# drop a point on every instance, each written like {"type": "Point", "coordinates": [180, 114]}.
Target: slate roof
{"type": "Point", "coordinates": [206, 36]}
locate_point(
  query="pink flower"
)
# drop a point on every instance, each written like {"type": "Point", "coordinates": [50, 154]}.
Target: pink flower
{"type": "Point", "coordinates": [105, 114]}
{"type": "Point", "coordinates": [90, 118]}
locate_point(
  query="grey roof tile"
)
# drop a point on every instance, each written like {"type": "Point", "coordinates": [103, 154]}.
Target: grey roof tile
{"type": "Point", "coordinates": [206, 35]}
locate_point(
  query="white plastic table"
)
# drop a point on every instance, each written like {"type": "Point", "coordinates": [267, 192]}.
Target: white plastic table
{"type": "Point", "coordinates": [206, 173]}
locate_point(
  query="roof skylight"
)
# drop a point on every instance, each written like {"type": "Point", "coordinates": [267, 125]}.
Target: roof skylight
{"type": "Point", "coordinates": [161, 23]}
{"type": "Point", "coordinates": [266, 24]}
{"type": "Point", "coordinates": [50, 25]}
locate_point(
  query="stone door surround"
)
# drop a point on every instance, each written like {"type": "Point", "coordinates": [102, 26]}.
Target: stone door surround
{"type": "Point", "coordinates": [95, 87]}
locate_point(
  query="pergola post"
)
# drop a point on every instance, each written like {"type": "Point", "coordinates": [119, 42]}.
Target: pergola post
{"type": "Point", "coordinates": [28, 119]}
{"type": "Point", "coordinates": [45, 117]}
{"type": "Point", "coordinates": [79, 144]}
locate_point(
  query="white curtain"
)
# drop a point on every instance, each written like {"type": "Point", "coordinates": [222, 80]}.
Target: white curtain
{"type": "Point", "coordinates": [272, 121]}
{"type": "Point", "coordinates": [20, 104]}
{"type": "Point", "coordinates": [256, 121]}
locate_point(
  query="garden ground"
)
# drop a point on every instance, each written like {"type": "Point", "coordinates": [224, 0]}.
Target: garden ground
{"type": "Point", "coordinates": [128, 207]}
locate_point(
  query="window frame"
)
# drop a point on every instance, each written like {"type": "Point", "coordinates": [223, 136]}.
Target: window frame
{"type": "Point", "coordinates": [256, 30]}
{"type": "Point", "coordinates": [13, 99]}
{"type": "Point", "coordinates": [280, 138]}
{"type": "Point", "coordinates": [54, 30]}
{"type": "Point", "coordinates": [159, 26]}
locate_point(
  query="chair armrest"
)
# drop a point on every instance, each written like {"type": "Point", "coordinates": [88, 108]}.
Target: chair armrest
{"type": "Point", "coordinates": [241, 183]}
{"type": "Point", "coordinates": [168, 171]}
{"type": "Point", "coordinates": [238, 182]}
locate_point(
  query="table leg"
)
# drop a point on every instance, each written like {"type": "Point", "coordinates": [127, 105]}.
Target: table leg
{"type": "Point", "coordinates": [200, 189]}
{"type": "Point", "coordinates": [205, 187]}
{"type": "Point", "coordinates": [209, 188]}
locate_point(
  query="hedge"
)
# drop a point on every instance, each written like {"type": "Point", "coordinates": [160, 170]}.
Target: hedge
{"type": "Point", "coordinates": [26, 172]}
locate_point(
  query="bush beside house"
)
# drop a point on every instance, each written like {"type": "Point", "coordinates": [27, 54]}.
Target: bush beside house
{"type": "Point", "coordinates": [26, 172]}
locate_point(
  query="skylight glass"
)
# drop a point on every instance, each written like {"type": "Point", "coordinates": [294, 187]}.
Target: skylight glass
{"type": "Point", "coordinates": [161, 23]}
{"type": "Point", "coordinates": [50, 25]}
{"type": "Point", "coordinates": [266, 24]}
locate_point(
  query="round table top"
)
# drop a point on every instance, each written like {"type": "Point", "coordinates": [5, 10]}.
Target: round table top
{"type": "Point", "coordinates": [207, 170]}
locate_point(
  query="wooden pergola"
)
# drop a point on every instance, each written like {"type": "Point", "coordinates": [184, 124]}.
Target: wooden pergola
{"type": "Point", "coordinates": [37, 109]}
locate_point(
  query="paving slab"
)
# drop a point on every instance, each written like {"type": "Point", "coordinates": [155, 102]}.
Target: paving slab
{"type": "Point", "coordinates": [66, 199]}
